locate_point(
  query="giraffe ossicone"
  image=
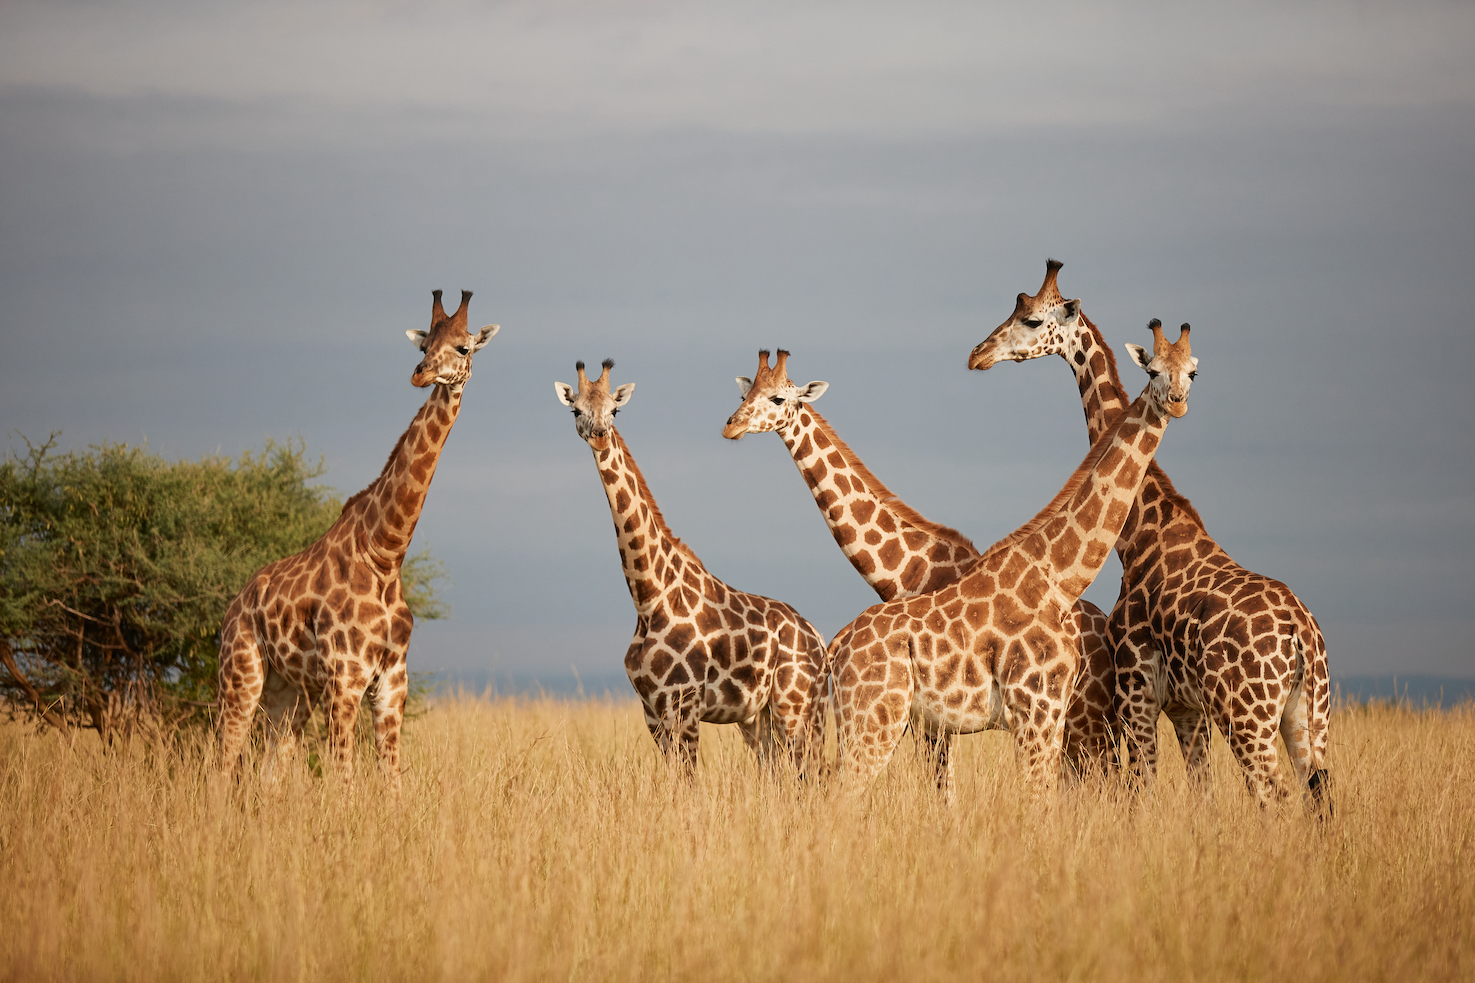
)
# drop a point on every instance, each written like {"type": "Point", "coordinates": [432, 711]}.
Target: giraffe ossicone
{"type": "Point", "coordinates": [900, 553]}
{"type": "Point", "coordinates": [1197, 636]}
{"type": "Point", "coordinates": [323, 626]}
{"type": "Point", "coordinates": [702, 651]}
{"type": "Point", "coordinates": [998, 647]}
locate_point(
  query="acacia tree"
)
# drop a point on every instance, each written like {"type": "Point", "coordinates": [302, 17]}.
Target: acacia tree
{"type": "Point", "coordinates": [116, 568]}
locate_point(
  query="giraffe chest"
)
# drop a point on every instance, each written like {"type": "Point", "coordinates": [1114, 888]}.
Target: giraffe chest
{"type": "Point", "coordinates": [330, 620]}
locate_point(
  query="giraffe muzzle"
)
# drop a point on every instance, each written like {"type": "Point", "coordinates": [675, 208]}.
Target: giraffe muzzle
{"type": "Point", "coordinates": [982, 358]}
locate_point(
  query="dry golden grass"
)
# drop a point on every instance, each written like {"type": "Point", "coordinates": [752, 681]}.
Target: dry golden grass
{"type": "Point", "coordinates": [546, 839]}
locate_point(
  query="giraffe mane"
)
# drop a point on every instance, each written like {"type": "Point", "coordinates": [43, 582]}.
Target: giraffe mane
{"type": "Point", "coordinates": [886, 496]}
{"type": "Point", "coordinates": [657, 518]}
{"type": "Point", "coordinates": [1072, 485]}
{"type": "Point", "coordinates": [398, 446]}
{"type": "Point", "coordinates": [1177, 497]}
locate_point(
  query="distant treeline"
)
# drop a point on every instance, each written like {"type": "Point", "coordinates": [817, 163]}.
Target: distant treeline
{"type": "Point", "coordinates": [116, 567]}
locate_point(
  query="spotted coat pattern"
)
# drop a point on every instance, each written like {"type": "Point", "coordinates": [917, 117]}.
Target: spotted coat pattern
{"type": "Point", "coordinates": [321, 626]}
{"type": "Point", "coordinates": [702, 651]}
{"type": "Point", "coordinates": [901, 553]}
{"type": "Point", "coordinates": [1197, 636]}
{"type": "Point", "coordinates": [998, 648]}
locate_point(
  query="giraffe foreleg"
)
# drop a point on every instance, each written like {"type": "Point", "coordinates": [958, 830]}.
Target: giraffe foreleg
{"type": "Point", "coordinates": [674, 720]}
{"type": "Point", "coordinates": [390, 692]}
{"type": "Point", "coordinates": [342, 696]}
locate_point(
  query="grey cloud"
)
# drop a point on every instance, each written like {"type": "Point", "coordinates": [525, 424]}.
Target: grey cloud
{"type": "Point", "coordinates": [207, 267]}
{"type": "Point", "coordinates": [873, 70]}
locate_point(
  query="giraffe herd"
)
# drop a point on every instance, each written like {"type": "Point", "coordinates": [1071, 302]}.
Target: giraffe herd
{"type": "Point", "coordinates": [962, 639]}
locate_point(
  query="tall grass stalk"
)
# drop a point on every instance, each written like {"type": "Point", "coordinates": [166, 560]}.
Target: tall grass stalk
{"type": "Point", "coordinates": [546, 839]}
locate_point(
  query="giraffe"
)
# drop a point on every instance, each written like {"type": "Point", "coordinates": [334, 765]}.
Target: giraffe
{"type": "Point", "coordinates": [702, 651]}
{"type": "Point", "coordinates": [901, 553]}
{"type": "Point", "coordinates": [1197, 636]}
{"type": "Point", "coordinates": [998, 646]}
{"type": "Point", "coordinates": [321, 626]}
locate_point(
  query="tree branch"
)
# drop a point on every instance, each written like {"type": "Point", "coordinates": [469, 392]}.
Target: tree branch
{"type": "Point", "coordinates": [7, 658]}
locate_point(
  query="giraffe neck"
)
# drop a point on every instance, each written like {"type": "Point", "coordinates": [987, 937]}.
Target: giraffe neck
{"type": "Point", "coordinates": [1074, 534]}
{"type": "Point", "coordinates": [896, 550]}
{"type": "Point", "coordinates": [386, 512]}
{"type": "Point", "coordinates": [1102, 396]}
{"type": "Point", "coordinates": [653, 557]}
{"type": "Point", "coordinates": [1103, 400]}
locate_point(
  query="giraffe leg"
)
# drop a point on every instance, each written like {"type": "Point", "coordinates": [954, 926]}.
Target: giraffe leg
{"type": "Point", "coordinates": [390, 692]}
{"type": "Point", "coordinates": [937, 749]}
{"type": "Point", "coordinates": [287, 711]}
{"type": "Point", "coordinates": [674, 720]}
{"type": "Point", "coordinates": [1253, 745]}
{"type": "Point", "coordinates": [687, 729]}
{"type": "Point", "coordinates": [341, 700]}
{"type": "Point", "coordinates": [872, 717]}
{"type": "Point", "coordinates": [1138, 704]}
{"type": "Point", "coordinates": [797, 714]}
{"type": "Point", "coordinates": [1090, 722]}
{"type": "Point", "coordinates": [1038, 723]}
{"type": "Point", "coordinates": [1191, 725]}
{"type": "Point", "coordinates": [752, 731]}
{"type": "Point", "coordinates": [241, 678]}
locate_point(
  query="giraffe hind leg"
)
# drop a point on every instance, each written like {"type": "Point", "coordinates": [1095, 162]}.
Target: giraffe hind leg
{"type": "Point", "coordinates": [1191, 725]}
{"type": "Point", "coordinates": [287, 710]}
{"type": "Point", "coordinates": [937, 749]}
{"type": "Point", "coordinates": [241, 678]}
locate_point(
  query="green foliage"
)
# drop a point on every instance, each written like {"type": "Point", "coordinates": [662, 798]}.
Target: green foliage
{"type": "Point", "coordinates": [116, 567]}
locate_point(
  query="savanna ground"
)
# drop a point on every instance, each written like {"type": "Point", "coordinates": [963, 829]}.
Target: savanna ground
{"type": "Point", "coordinates": [541, 839]}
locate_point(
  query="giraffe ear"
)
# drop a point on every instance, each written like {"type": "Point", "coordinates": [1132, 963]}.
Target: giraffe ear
{"type": "Point", "coordinates": [1140, 355]}
{"type": "Point", "coordinates": [622, 395]}
{"type": "Point", "coordinates": [417, 338]}
{"type": "Point", "coordinates": [744, 385]}
{"type": "Point", "coordinates": [1072, 308]}
{"type": "Point", "coordinates": [565, 393]}
{"type": "Point", "coordinates": [485, 335]}
{"type": "Point", "coordinates": [811, 392]}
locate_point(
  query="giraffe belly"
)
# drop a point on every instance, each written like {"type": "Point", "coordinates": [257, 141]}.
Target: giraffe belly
{"type": "Point", "coordinates": [959, 710]}
{"type": "Point", "coordinates": [726, 700]}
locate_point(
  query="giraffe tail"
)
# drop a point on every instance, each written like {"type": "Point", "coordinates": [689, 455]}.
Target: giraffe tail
{"type": "Point", "coordinates": [1308, 707]}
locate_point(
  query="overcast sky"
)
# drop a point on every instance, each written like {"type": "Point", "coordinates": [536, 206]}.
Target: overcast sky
{"type": "Point", "coordinates": [218, 219]}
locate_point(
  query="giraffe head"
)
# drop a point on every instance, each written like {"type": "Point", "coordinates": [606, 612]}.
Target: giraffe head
{"type": "Point", "coordinates": [1040, 325]}
{"type": "Point", "coordinates": [1170, 367]}
{"type": "Point", "coordinates": [770, 400]}
{"type": "Point", "coordinates": [593, 404]}
{"type": "Point", "coordinates": [448, 346]}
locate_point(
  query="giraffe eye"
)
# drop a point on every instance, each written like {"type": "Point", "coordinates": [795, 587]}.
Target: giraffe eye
{"type": "Point", "coordinates": [578, 412]}
{"type": "Point", "coordinates": [463, 350]}
{"type": "Point", "coordinates": [1193, 374]}
{"type": "Point", "coordinates": [776, 400]}
{"type": "Point", "coordinates": [1033, 322]}
{"type": "Point", "coordinates": [1152, 374]}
